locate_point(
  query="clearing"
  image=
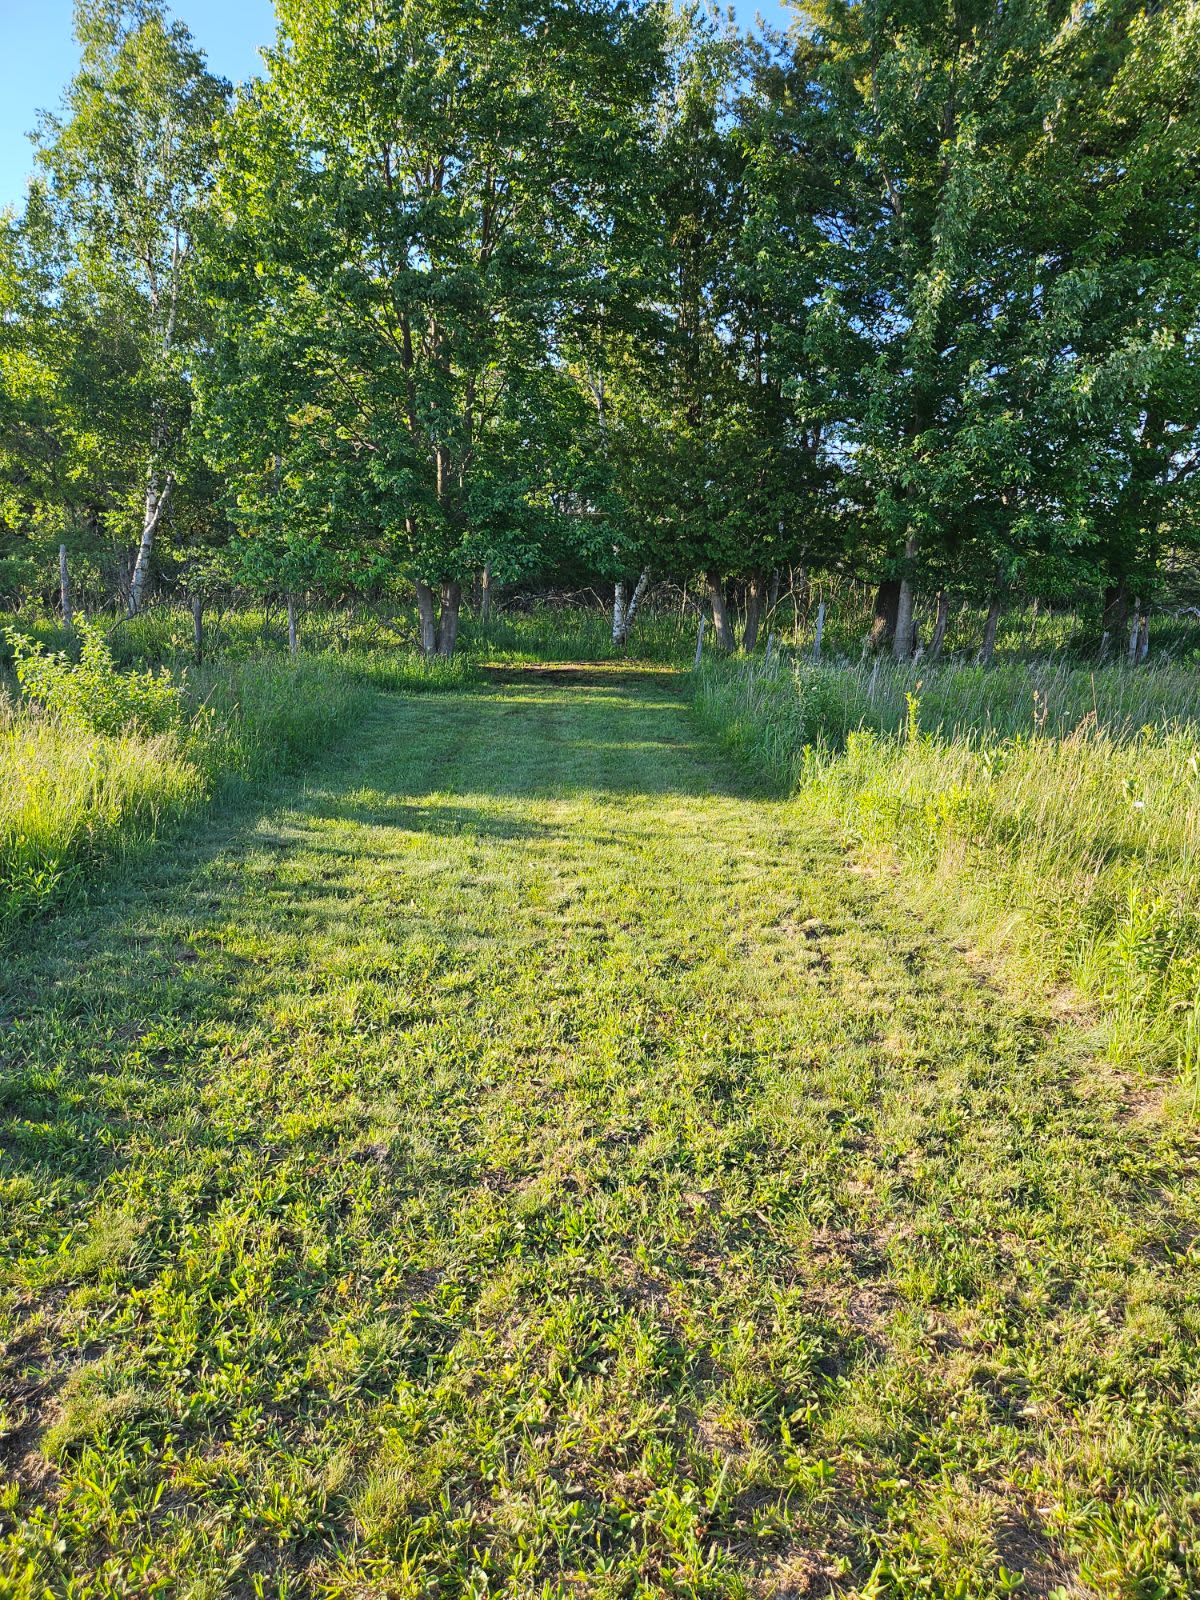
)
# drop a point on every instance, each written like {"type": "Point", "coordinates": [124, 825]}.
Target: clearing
{"type": "Point", "coordinates": [522, 1160]}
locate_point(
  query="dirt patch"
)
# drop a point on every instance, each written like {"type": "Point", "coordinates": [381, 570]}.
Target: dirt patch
{"type": "Point", "coordinates": [582, 674]}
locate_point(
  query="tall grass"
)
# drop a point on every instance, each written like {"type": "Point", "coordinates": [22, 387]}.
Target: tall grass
{"type": "Point", "coordinates": [1049, 815]}
{"type": "Point", "coordinates": [71, 800]}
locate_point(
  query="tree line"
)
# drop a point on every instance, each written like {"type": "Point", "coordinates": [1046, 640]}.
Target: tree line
{"type": "Point", "coordinates": [487, 291]}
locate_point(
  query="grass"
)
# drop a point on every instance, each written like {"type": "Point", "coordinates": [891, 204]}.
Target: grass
{"type": "Point", "coordinates": [1050, 816]}
{"type": "Point", "coordinates": [69, 799]}
{"type": "Point", "coordinates": [518, 1158]}
{"type": "Point", "coordinates": [72, 801]}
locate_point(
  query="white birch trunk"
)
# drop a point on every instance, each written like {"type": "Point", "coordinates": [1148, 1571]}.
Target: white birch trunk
{"type": "Point", "coordinates": [639, 594]}
{"type": "Point", "coordinates": [618, 622]}
{"type": "Point", "coordinates": [157, 499]}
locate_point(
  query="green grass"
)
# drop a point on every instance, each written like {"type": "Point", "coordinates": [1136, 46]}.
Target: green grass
{"type": "Point", "coordinates": [69, 800]}
{"type": "Point", "coordinates": [579, 633]}
{"type": "Point", "coordinates": [1050, 816]}
{"type": "Point", "coordinates": [72, 801]}
{"type": "Point", "coordinates": [518, 1158]}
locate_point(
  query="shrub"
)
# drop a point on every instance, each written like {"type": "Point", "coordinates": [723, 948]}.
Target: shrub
{"type": "Point", "coordinates": [92, 693]}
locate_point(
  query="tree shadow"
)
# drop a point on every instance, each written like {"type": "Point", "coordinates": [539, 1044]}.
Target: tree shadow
{"type": "Point", "coordinates": [96, 1002]}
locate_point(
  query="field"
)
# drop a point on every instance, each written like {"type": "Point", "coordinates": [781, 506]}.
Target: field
{"type": "Point", "coordinates": [602, 1130]}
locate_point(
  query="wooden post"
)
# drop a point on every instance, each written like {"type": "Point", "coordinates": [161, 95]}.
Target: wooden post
{"type": "Point", "coordinates": [817, 637]}
{"type": "Point", "coordinates": [699, 640]}
{"type": "Point", "coordinates": [293, 634]}
{"type": "Point", "coordinates": [198, 626]}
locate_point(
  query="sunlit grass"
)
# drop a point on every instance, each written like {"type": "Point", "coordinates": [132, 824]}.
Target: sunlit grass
{"type": "Point", "coordinates": [516, 1157]}
{"type": "Point", "coordinates": [72, 801]}
{"type": "Point", "coordinates": [69, 799]}
{"type": "Point", "coordinates": [1050, 815]}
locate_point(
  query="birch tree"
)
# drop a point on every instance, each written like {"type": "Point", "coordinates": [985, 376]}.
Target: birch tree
{"type": "Point", "coordinates": [127, 165]}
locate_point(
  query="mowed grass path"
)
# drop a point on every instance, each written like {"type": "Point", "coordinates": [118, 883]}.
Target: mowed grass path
{"type": "Point", "coordinates": [521, 1161]}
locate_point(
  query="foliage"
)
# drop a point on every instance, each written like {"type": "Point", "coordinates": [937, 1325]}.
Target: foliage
{"type": "Point", "coordinates": [576, 292]}
{"type": "Point", "coordinates": [409, 202]}
{"type": "Point", "coordinates": [92, 692]}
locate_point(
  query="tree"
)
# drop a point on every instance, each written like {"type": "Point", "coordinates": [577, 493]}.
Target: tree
{"type": "Point", "coordinates": [418, 196]}
{"type": "Point", "coordinates": [127, 168]}
{"type": "Point", "coordinates": [1118, 154]}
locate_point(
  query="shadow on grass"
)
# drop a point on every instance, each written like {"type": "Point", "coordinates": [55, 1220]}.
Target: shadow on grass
{"type": "Point", "coordinates": [101, 1006]}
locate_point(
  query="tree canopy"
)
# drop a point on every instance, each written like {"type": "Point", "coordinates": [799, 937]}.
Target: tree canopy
{"type": "Point", "coordinates": [608, 288]}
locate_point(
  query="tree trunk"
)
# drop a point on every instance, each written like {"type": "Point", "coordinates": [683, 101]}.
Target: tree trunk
{"type": "Point", "coordinates": [887, 601]}
{"type": "Point", "coordinates": [773, 591]}
{"type": "Point", "coordinates": [619, 626]}
{"type": "Point", "coordinates": [1116, 608]}
{"type": "Point", "coordinates": [905, 640]}
{"type": "Point", "coordinates": [939, 626]}
{"type": "Point", "coordinates": [639, 594]}
{"type": "Point", "coordinates": [988, 648]}
{"type": "Point", "coordinates": [428, 619]}
{"type": "Point", "coordinates": [755, 595]}
{"type": "Point", "coordinates": [198, 626]}
{"type": "Point", "coordinates": [447, 633]}
{"type": "Point", "coordinates": [485, 594]}
{"type": "Point", "coordinates": [157, 500]}
{"type": "Point", "coordinates": [720, 611]}
{"type": "Point", "coordinates": [293, 631]}
{"type": "Point", "coordinates": [64, 588]}
{"type": "Point", "coordinates": [1134, 629]}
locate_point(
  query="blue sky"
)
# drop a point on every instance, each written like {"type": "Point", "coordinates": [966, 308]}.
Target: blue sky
{"type": "Point", "coordinates": [37, 56]}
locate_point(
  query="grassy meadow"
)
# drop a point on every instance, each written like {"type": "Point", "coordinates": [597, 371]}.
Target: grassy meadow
{"type": "Point", "coordinates": [601, 1130]}
{"type": "Point", "coordinates": [1048, 815]}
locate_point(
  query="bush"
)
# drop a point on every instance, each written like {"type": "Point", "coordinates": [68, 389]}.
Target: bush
{"type": "Point", "coordinates": [92, 693]}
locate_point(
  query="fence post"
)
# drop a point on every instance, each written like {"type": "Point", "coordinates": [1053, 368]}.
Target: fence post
{"type": "Point", "coordinates": [820, 631]}
{"type": "Point", "coordinates": [699, 640]}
